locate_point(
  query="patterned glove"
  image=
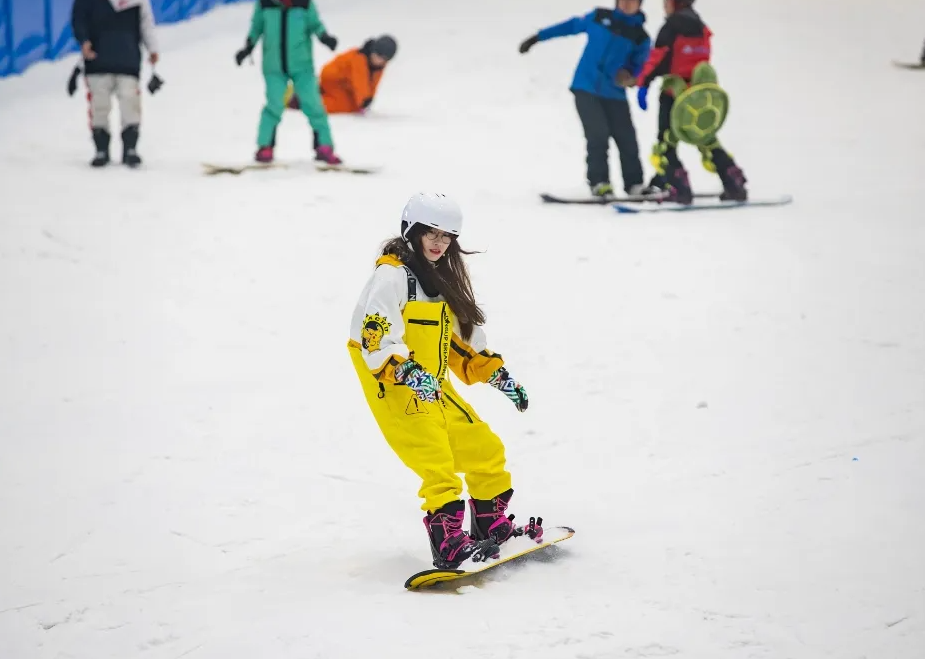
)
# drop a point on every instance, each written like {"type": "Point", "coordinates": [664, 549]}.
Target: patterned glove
{"type": "Point", "coordinates": [502, 381]}
{"type": "Point", "coordinates": [412, 375]}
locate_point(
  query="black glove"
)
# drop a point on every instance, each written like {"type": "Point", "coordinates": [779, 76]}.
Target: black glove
{"type": "Point", "coordinates": [244, 52]}
{"type": "Point", "coordinates": [528, 44]}
{"type": "Point", "coordinates": [72, 82]}
{"type": "Point", "coordinates": [155, 83]}
{"type": "Point", "coordinates": [328, 40]}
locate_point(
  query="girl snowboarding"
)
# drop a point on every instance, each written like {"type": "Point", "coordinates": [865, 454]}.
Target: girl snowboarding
{"type": "Point", "coordinates": [287, 27]}
{"type": "Point", "coordinates": [415, 320]}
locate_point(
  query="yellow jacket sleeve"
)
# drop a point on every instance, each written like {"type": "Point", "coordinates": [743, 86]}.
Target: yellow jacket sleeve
{"type": "Point", "coordinates": [472, 361]}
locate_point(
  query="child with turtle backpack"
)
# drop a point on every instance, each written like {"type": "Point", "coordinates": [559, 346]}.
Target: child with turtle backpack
{"type": "Point", "coordinates": [617, 47]}
{"type": "Point", "coordinates": [287, 28]}
{"type": "Point", "coordinates": [416, 320]}
{"type": "Point", "coordinates": [692, 106]}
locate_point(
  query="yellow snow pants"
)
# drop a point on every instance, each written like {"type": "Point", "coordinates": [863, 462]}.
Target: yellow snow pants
{"type": "Point", "coordinates": [438, 440]}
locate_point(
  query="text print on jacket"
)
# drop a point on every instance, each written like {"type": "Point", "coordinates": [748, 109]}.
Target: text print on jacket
{"type": "Point", "coordinates": [115, 28]}
{"type": "Point", "coordinates": [615, 41]}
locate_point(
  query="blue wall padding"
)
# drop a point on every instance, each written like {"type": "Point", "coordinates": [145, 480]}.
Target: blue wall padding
{"type": "Point", "coordinates": [35, 30]}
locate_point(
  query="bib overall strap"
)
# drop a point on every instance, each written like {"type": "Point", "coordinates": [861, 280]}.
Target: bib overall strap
{"type": "Point", "coordinates": [412, 284]}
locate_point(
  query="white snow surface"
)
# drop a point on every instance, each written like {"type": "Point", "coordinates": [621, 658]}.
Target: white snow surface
{"type": "Point", "coordinates": [726, 405]}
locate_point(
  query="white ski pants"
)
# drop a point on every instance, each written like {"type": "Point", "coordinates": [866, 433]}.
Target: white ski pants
{"type": "Point", "coordinates": [101, 87]}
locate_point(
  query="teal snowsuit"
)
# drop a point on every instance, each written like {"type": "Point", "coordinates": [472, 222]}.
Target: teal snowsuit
{"type": "Point", "coordinates": [287, 27]}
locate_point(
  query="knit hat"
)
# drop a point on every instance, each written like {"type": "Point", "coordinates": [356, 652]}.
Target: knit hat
{"type": "Point", "coordinates": [385, 47]}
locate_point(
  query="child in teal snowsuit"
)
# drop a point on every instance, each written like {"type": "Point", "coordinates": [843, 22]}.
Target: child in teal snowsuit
{"type": "Point", "coordinates": [288, 56]}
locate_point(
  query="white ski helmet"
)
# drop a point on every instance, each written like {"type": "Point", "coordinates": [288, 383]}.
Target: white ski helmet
{"type": "Point", "coordinates": [431, 209]}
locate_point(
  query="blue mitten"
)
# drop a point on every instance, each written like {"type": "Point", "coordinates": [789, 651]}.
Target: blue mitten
{"type": "Point", "coordinates": [641, 97]}
{"type": "Point", "coordinates": [502, 381]}
{"type": "Point", "coordinates": [412, 375]}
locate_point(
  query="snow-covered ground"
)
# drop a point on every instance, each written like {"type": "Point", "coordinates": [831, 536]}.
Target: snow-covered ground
{"type": "Point", "coordinates": [729, 407]}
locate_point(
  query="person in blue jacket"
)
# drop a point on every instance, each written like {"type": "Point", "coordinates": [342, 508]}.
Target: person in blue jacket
{"type": "Point", "coordinates": [617, 47]}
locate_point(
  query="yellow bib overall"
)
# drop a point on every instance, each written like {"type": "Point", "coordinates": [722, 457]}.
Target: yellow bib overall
{"type": "Point", "coordinates": [435, 440]}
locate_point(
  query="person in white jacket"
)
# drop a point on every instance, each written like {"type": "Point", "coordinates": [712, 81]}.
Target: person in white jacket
{"type": "Point", "coordinates": [416, 320]}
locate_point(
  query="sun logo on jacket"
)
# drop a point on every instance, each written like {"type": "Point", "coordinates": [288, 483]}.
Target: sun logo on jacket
{"type": "Point", "coordinates": [374, 328]}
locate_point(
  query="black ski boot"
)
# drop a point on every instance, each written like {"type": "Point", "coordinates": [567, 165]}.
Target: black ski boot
{"type": "Point", "coordinates": [130, 157]}
{"type": "Point", "coordinates": [489, 523]}
{"type": "Point", "coordinates": [679, 186]}
{"type": "Point", "coordinates": [670, 173]}
{"type": "Point", "coordinates": [731, 175]}
{"type": "Point", "coordinates": [101, 142]}
{"type": "Point", "coordinates": [449, 544]}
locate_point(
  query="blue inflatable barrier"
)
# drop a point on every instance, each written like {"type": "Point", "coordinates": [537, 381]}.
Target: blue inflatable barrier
{"type": "Point", "coordinates": [35, 30]}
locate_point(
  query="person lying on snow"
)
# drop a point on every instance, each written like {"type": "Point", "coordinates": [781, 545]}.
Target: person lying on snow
{"type": "Point", "coordinates": [350, 80]}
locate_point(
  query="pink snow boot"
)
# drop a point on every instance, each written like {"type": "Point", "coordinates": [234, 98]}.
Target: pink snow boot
{"type": "Point", "coordinates": [326, 154]}
{"type": "Point", "coordinates": [264, 154]}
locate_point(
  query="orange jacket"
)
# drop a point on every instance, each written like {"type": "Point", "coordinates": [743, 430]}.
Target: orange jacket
{"type": "Point", "coordinates": [348, 83]}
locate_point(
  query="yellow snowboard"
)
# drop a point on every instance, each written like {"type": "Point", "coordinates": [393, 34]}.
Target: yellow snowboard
{"type": "Point", "coordinates": [513, 548]}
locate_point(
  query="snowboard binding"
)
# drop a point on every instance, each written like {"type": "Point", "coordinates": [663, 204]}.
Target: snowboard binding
{"type": "Point", "coordinates": [478, 551]}
{"type": "Point", "coordinates": [534, 529]}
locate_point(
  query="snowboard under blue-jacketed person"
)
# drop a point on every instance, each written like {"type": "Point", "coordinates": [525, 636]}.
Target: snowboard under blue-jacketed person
{"type": "Point", "coordinates": [618, 46]}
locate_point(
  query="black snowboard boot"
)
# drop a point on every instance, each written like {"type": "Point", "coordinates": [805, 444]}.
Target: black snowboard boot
{"type": "Point", "coordinates": [679, 186]}
{"type": "Point", "coordinates": [101, 142]}
{"type": "Point", "coordinates": [671, 177]}
{"type": "Point", "coordinates": [130, 156]}
{"type": "Point", "coordinates": [449, 544]}
{"type": "Point", "coordinates": [489, 523]}
{"type": "Point", "coordinates": [731, 175]}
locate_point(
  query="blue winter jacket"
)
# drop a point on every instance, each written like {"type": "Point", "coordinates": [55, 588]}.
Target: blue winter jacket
{"type": "Point", "coordinates": [615, 41]}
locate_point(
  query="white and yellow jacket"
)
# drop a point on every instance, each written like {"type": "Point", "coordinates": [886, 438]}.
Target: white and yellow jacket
{"type": "Point", "coordinates": [394, 320]}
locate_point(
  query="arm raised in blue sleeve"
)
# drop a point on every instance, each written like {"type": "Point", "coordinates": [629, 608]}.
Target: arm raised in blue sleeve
{"type": "Point", "coordinates": [575, 25]}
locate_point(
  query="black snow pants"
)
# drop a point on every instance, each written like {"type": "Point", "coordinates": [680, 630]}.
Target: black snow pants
{"type": "Point", "coordinates": [602, 119]}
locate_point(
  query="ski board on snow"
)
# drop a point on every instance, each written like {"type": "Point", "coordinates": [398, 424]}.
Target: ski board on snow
{"type": "Point", "coordinates": [909, 65]}
{"type": "Point", "coordinates": [346, 168]}
{"type": "Point", "coordinates": [211, 169]}
{"type": "Point", "coordinates": [513, 548]}
{"type": "Point", "coordinates": [672, 207]}
{"type": "Point", "coordinates": [603, 201]}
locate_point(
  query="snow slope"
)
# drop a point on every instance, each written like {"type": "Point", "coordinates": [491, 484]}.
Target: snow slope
{"type": "Point", "coordinates": [728, 407]}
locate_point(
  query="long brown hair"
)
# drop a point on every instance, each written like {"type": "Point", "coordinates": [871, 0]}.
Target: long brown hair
{"type": "Point", "coordinates": [448, 276]}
